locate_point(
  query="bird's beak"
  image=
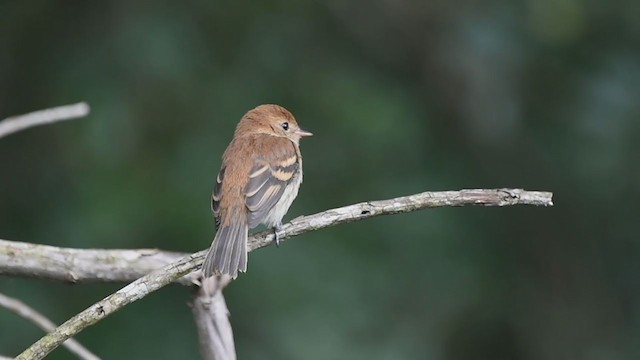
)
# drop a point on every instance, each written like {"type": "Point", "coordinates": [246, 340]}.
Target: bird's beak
{"type": "Point", "coordinates": [303, 133]}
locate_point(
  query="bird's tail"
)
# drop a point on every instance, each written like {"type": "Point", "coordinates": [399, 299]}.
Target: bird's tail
{"type": "Point", "coordinates": [228, 253]}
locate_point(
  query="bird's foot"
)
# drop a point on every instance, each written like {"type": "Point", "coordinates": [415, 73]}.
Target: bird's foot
{"type": "Point", "coordinates": [276, 235]}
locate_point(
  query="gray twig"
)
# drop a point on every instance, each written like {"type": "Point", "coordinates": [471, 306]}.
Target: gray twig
{"type": "Point", "coordinates": [159, 278]}
{"type": "Point", "coordinates": [45, 324]}
{"type": "Point", "coordinates": [41, 117]}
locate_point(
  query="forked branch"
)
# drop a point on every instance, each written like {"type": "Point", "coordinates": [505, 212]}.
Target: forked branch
{"type": "Point", "coordinates": [45, 324]}
{"type": "Point", "coordinates": [176, 270]}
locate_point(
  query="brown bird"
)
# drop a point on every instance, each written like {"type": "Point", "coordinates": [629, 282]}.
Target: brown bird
{"type": "Point", "coordinates": [259, 179]}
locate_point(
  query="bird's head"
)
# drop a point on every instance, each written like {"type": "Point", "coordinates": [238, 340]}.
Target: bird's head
{"type": "Point", "coordinates": [271, 120]}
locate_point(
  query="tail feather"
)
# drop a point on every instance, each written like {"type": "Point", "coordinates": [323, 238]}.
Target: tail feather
{"type": "Point", "coordinates": [228, 253]}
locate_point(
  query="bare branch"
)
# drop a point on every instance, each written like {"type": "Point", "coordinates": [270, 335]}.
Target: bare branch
{"type": "Point", "coordinates": [404, 204]}
{"type": "Point", "coordinates": [41, 117]}
{"type": "Point", "coordinates": [212, 321]}
{"type": "Point", "coordinates": [83, 265]}
{"type": "Point", "coordinates": [45, 324]}
{"type": "Point", "coordinates": [159, 278]}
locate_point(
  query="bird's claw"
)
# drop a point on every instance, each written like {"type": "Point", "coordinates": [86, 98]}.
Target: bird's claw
{"type": "Point", "coordinates": [276, 235]}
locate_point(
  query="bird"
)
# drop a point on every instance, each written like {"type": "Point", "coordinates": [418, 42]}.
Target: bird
{"type": "Point", "coordinates": [258, 181]}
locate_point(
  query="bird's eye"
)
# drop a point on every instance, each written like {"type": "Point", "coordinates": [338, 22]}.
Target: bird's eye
{"type": "Point", "coordinates": [285, 126]}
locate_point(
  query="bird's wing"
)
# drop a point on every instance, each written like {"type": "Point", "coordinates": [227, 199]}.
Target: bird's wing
{"type": "Point", "coordinates": [217, 196]}
{"type": "Point", "coordinates": [268, 180]}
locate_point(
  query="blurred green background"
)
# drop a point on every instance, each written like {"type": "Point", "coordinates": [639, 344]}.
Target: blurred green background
{"type": "Point", "coordinates": [403, 97]}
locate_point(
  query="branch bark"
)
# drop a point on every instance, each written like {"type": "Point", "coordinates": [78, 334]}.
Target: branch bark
{"type": "Point", "coordinates": [159, 278]}
{"type": "Point", "coordinates": [212, 320]}
{"type": "Point", "coordinates": [83, 265]}
{"type": "Point", "coordinates": [14, 124]}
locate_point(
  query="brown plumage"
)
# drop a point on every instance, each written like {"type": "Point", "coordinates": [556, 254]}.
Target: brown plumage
{"type": "Point", "coordinates": [259, 179]}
